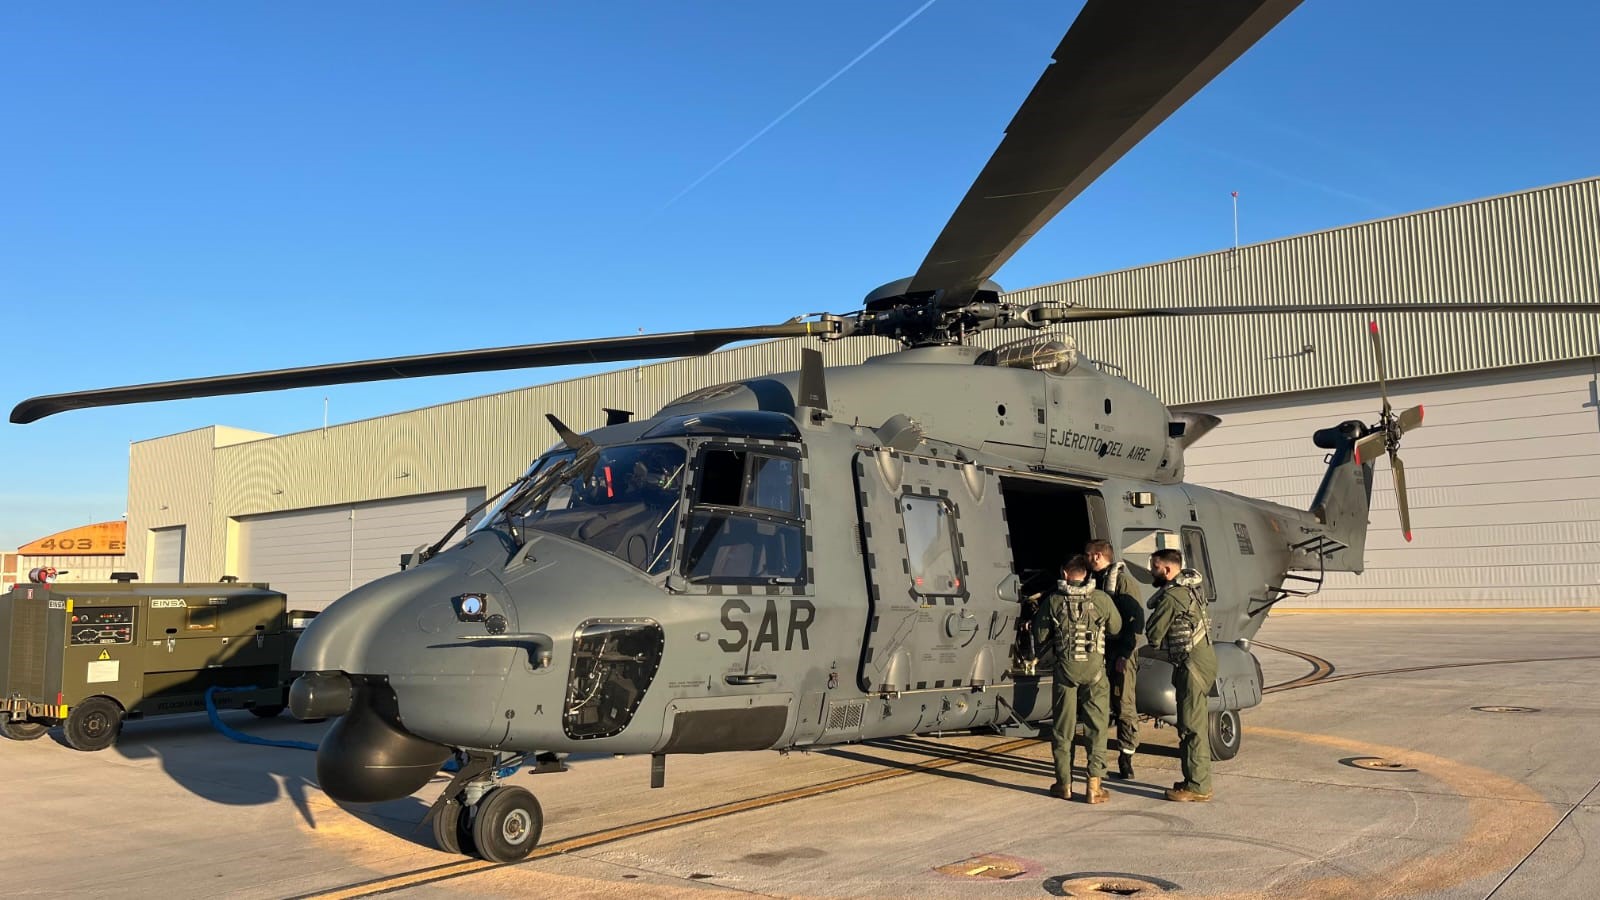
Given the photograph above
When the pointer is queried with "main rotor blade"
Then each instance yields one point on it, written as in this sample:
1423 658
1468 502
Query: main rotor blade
617 349
1400 493
1123 67
1377 355
1103 313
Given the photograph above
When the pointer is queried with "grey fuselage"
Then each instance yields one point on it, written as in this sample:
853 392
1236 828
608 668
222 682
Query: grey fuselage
919 541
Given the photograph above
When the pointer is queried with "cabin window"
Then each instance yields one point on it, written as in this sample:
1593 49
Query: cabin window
746 525
934 564
1196 557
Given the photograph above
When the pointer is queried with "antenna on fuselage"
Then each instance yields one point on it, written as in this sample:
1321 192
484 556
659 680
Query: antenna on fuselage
813 383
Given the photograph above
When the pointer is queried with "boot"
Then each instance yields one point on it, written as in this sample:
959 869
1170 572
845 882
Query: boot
1059 791
1096 793
1124 766
1184 794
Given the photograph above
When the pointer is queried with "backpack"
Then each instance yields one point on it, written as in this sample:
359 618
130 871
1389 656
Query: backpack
1192 624
1080 626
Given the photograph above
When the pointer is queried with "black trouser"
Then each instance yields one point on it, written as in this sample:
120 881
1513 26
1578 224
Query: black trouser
1124 702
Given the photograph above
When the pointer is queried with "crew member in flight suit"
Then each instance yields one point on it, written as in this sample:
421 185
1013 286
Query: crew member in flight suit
1179 626
1074 622
1122 659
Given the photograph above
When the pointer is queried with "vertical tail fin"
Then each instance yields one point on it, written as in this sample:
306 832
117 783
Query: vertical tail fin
1344 499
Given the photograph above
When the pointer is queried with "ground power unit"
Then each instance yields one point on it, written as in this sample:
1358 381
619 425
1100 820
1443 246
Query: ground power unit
89 656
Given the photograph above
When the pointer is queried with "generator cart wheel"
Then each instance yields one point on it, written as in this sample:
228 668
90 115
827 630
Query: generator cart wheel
93 724
506 824
452 828
21 731
267 712
1226 734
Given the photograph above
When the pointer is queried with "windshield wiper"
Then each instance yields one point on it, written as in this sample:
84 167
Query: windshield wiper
525 484
433 550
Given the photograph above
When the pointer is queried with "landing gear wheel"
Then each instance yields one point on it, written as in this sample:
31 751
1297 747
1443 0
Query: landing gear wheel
93 724
21 731
267 712
1226 734
452 829
506 824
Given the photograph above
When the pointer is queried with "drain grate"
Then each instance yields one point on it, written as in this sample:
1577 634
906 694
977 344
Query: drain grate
1106 884
1376 764
1506 709
991 866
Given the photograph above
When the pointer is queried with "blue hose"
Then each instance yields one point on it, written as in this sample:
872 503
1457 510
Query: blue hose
234 734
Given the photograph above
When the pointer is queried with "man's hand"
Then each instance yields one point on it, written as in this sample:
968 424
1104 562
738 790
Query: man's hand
1122 664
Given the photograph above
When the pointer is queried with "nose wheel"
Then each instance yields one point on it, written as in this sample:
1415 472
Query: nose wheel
506 824
478 816
452 828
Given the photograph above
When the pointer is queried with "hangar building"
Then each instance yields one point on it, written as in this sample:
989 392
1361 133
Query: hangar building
1505 474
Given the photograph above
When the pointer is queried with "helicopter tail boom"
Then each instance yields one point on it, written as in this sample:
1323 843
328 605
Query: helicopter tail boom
1344 499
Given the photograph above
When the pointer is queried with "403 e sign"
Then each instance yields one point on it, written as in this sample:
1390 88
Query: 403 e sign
81 545
102 539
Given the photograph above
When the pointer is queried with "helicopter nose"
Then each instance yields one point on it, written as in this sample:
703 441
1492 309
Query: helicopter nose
374 627
367 645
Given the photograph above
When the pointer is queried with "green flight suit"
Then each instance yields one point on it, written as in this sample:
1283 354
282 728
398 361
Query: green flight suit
1079 676
1193 673
1124 685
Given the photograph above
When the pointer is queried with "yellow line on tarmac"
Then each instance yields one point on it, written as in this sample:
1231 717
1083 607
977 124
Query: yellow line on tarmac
1507 819
447 871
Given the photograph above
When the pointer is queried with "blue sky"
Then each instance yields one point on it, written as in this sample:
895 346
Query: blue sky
192 189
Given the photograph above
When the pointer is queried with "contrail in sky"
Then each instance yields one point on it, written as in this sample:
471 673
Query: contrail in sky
802 102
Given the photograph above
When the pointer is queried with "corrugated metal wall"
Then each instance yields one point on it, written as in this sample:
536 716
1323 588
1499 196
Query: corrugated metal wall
1536 245
1541 244
318 555
1503 478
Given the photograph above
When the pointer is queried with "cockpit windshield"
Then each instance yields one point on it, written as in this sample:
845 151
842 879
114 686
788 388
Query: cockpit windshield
623 500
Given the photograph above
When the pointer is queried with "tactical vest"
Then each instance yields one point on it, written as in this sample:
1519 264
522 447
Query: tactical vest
1080 632
1192 624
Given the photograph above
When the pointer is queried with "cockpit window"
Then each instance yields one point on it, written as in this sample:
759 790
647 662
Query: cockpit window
731 549
757 480
623 500
745 525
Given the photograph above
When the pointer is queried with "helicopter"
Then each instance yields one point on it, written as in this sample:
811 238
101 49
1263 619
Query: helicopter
828 555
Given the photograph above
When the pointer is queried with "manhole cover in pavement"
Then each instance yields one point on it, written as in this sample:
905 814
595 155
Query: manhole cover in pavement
991 866
1506 709
1106 884
1377 764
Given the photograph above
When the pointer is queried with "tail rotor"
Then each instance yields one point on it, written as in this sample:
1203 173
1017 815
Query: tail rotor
1385 436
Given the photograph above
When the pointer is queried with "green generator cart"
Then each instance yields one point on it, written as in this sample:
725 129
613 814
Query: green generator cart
89 656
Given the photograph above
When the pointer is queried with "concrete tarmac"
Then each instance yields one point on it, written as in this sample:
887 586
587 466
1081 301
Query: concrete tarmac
1463 803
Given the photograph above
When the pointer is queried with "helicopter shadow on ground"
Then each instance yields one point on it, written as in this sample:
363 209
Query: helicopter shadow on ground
226 772
1010 771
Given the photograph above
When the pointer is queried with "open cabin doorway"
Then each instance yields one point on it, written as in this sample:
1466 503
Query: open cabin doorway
1049 522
